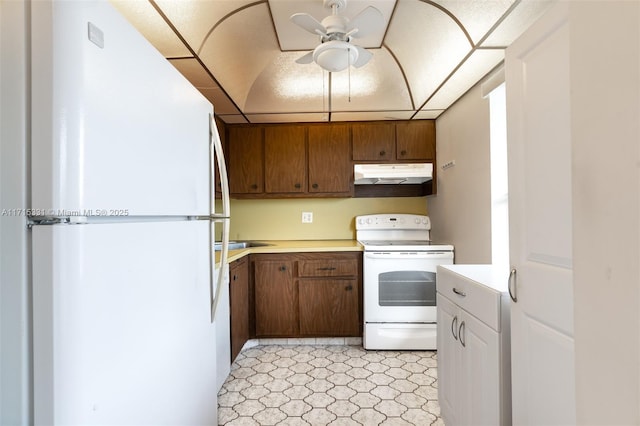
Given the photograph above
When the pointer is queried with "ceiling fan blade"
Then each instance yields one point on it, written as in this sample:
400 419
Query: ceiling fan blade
305 59
366 22
308 22
363 56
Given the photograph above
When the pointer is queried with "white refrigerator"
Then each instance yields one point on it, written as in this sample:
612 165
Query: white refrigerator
122 222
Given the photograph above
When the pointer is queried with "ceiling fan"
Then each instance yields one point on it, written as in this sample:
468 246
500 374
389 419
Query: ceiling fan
335 51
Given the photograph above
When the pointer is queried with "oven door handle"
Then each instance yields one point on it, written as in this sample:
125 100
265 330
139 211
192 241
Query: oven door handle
408 255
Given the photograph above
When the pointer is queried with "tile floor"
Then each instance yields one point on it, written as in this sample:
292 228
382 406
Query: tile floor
330 385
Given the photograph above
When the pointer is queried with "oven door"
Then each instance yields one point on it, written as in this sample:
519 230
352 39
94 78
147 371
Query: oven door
401 286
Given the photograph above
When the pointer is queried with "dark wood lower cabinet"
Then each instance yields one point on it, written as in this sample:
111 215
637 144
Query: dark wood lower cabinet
275 297
239 301
329 307
308 294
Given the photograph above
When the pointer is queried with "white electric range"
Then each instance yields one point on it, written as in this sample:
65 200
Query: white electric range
399 282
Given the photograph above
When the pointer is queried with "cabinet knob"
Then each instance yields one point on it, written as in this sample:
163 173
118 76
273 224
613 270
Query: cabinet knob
349 287
235 277
403 152
254 186
314 186
282 268
297 185
382 153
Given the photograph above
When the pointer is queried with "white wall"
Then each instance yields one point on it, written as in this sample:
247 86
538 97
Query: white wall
461 211
15 324
605 102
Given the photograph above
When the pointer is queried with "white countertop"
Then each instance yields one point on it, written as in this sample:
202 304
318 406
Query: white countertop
295 246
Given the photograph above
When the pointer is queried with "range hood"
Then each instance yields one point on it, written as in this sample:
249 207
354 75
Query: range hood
392 174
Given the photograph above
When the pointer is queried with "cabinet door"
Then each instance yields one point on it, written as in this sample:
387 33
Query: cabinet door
239 300
448 359
468 368
479 381
373 141
246 155
276 299
329 159
329 307
416 140
285 159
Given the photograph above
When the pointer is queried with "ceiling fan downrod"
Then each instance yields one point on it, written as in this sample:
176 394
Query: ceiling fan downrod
335 5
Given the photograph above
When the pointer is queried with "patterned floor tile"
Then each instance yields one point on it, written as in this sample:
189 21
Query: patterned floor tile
328 384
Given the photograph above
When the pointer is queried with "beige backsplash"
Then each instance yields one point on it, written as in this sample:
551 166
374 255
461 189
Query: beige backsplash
333 219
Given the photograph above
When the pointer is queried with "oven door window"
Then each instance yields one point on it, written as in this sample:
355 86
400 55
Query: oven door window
407 288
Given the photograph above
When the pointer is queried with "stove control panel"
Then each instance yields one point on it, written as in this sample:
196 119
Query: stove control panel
393 221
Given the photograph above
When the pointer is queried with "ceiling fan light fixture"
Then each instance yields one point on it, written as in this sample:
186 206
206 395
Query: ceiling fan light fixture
335 55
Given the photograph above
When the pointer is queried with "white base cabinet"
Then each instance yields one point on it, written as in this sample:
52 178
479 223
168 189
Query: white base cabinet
473 346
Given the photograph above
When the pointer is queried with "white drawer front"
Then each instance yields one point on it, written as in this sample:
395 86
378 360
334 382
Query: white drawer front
478 299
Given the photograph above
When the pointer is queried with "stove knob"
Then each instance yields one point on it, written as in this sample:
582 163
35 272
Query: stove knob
417 221
369 221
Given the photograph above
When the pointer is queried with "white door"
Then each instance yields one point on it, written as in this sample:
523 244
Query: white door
539 154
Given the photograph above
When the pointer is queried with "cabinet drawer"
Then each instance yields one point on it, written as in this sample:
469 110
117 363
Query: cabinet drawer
478 299
328 268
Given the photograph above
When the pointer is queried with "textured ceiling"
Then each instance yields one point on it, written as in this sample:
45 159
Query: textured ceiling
241 55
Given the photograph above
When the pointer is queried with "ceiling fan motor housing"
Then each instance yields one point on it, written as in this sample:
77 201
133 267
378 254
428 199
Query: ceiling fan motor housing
335 24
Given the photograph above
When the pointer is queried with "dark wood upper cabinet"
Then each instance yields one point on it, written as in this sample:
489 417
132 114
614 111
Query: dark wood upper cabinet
416 140
330 169
373 141
285 159
316 160
402 141
245 152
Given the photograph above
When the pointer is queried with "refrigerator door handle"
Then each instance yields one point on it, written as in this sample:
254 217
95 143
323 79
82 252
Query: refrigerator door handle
216 153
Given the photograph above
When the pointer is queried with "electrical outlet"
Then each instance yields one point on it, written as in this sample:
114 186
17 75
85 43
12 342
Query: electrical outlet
307 217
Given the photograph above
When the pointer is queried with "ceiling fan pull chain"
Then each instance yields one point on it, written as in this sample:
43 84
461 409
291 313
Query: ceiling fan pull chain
325 93
349 70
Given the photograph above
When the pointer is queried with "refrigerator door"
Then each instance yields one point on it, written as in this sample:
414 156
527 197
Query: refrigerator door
117 130
121 327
